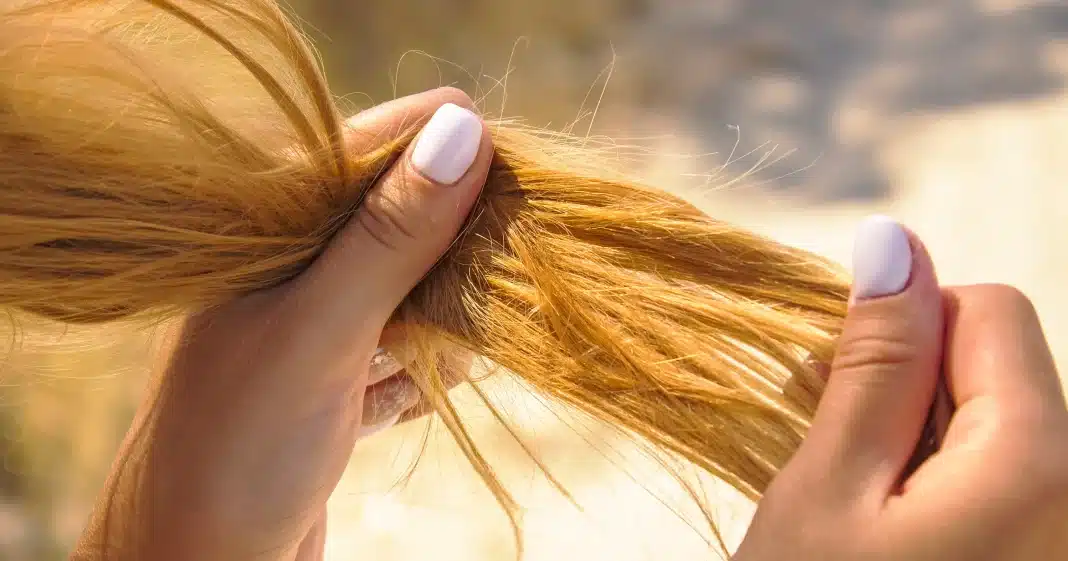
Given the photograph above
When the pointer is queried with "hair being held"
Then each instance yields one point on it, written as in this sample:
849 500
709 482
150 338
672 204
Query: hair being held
161 157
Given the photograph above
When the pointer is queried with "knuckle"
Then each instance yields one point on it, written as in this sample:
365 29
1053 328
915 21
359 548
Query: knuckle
1001 299
875 348
1003 293
388 219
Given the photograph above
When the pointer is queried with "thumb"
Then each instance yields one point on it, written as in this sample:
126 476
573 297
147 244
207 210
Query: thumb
408 219
884 374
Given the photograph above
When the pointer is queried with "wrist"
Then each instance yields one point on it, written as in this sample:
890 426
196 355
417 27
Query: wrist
179 491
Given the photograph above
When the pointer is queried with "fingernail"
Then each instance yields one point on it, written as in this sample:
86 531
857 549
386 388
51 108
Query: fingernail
448 144
818 366
882 258
367 430
383 365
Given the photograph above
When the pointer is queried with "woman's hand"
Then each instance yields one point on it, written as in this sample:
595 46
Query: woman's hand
998 487
267 396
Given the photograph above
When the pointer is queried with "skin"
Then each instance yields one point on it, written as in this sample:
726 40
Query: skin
247 477
997 489
269 394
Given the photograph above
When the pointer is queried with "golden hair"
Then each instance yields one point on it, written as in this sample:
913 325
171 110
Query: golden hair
160 157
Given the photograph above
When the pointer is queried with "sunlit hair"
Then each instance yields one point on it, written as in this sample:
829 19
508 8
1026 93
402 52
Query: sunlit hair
159 157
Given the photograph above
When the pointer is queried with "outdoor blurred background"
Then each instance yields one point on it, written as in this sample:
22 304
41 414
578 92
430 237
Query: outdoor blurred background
794 118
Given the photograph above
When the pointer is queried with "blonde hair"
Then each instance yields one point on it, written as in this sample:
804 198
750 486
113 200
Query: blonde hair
165 156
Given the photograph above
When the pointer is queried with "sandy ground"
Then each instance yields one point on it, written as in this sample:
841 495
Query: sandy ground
984 188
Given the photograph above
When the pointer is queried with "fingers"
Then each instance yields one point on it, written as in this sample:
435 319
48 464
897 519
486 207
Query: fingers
394 397
408 219
380 124
996 350
415 212
882 379
383 365
385 402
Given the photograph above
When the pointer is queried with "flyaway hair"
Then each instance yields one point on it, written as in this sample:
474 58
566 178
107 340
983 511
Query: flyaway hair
160 157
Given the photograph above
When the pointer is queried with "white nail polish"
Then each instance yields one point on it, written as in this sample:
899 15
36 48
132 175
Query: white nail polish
882 258
448 144
383 365
367 430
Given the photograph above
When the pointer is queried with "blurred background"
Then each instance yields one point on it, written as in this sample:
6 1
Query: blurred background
792 118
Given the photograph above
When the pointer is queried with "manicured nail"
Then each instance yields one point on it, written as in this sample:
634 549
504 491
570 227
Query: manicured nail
818 366
367 430
383 365
882 258
448 144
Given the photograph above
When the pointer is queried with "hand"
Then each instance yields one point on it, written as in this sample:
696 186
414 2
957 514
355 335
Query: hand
998 487
265 397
